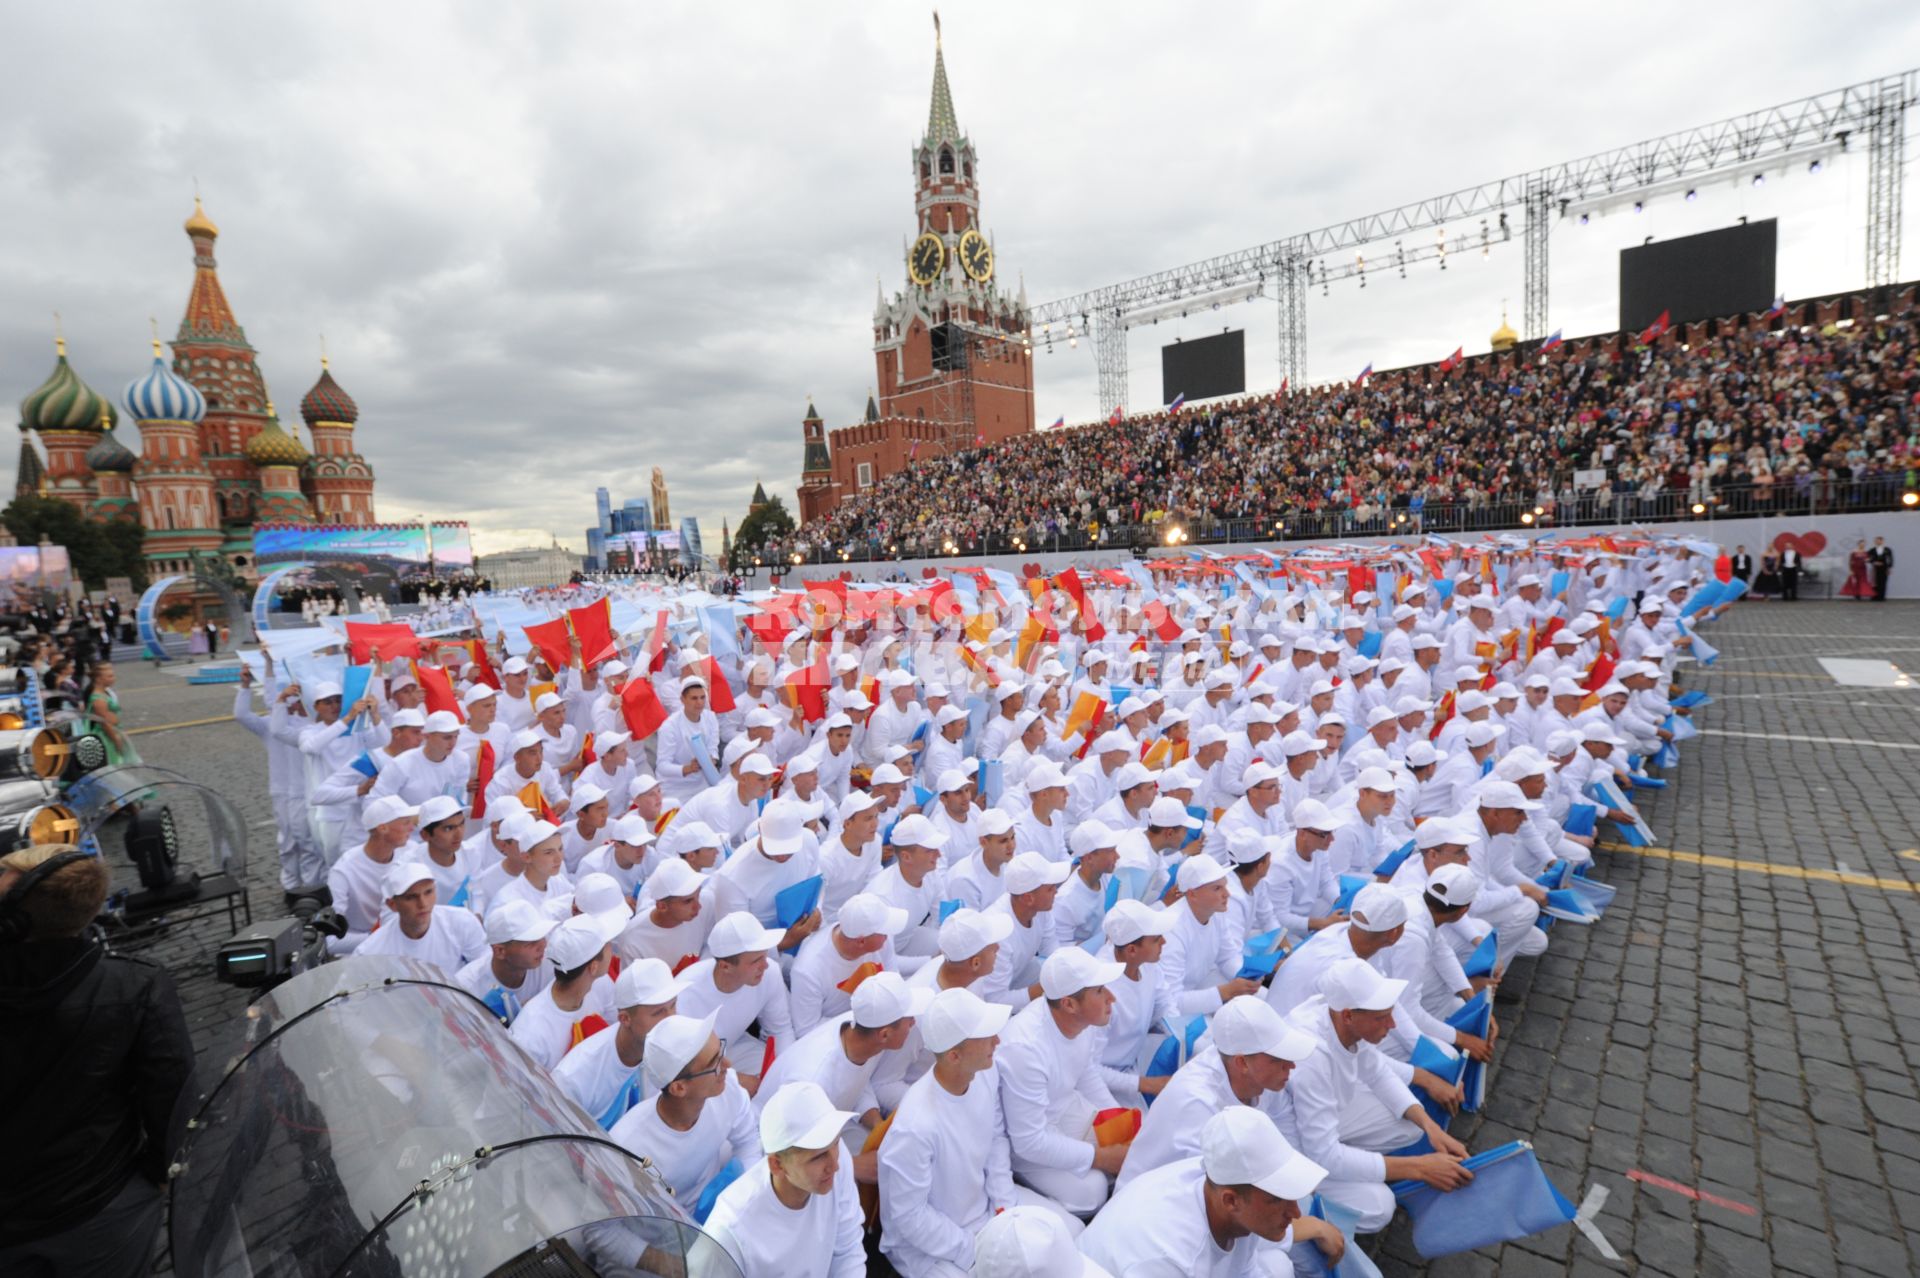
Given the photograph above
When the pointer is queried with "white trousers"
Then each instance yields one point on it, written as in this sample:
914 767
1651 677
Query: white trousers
1365 1123
1514 921
301 862
1080 1192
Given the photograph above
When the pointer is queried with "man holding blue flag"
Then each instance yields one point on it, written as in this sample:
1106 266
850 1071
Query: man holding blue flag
1351 1104
603 1073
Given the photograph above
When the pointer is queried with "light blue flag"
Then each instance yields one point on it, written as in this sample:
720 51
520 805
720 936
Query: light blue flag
1580 819
710 1195
1350 885
1474 1017
1509 1197
949 906
1262 954
1705 597
723 633
1370 644
1557 584
1692 699
797 900
1618 609
1245 573
1703 652
1446 1064
1568 905
1443 587
1307 1259
1481 961
1682 728
989 781
1175 1048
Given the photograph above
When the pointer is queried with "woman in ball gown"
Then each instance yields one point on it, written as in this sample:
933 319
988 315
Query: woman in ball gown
1859 580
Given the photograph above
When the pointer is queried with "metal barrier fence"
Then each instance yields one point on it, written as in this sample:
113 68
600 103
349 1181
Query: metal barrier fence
1591 508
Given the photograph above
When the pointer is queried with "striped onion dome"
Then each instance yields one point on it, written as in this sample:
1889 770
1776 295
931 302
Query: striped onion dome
109 455
63 401
163 395
327 402
272 446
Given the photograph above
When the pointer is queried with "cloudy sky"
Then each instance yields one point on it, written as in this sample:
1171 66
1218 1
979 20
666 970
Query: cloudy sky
552 246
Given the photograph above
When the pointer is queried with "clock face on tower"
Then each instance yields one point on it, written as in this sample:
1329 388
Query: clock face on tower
925 258
976 256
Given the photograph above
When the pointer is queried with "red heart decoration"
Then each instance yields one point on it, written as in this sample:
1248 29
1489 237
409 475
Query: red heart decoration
1808 544
846 576
1030 571
929 573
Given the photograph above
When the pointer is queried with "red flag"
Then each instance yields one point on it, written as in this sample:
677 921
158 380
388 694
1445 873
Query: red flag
769 628
394 639
1453 361
1163 622
553 641
1602 672
1723 569
807 688
1441 713
477 652
485 765
657 644
641 707
1115 419
593 627
438 691
1281 393
719 692
1359 578
1432 563
1070 582
1656 328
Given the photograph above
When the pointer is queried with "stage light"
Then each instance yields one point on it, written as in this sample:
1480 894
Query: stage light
1583 219
1539 510
1527 518
1910 499
1813 166
1699 508
1073 343
1692 195
1639 206
796 560
1759 179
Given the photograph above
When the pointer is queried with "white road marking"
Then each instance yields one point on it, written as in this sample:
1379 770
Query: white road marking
1788 736
1583 1221
1859 672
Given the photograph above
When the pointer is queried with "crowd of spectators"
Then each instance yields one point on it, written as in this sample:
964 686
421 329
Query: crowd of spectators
1755 420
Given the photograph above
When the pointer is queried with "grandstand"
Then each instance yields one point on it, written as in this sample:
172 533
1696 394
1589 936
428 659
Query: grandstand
1804 408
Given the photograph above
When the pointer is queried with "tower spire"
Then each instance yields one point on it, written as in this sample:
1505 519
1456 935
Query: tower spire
941 123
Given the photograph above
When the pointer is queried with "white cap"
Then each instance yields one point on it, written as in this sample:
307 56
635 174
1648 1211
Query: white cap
402 875
612 669
1258 772
1600 733
915 830
526 739
1377 779
1113 743
504 809
783 827
1355 984
1029 1242
439 808
1248 1026
514 665
674 878
836 721
646 982
1424 641
1299 742
1045 776
1311 814
995 821
513 920
953 779
1030 871
1244 846
1209 734
535 832
1483 733
1090 836
547 701
1130 775
407 719
1129 920
1521 761
671 1047
388 807
887 774
1439 830
1505 794
600 895
885 997
586 793
642 783
1070 969
575 942
1198 872
1421 753
755 765
442 721
630 829
1454 884
1378 908
948 714
798 1116
1171 814
740 933
1473 699
323 689
866 915
1241 1146
965 932
958 1015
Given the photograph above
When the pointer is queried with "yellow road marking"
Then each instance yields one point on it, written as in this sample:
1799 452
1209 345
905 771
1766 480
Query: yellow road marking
1768 867
187 723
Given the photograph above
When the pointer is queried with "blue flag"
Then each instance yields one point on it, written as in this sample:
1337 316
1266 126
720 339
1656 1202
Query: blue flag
710 1195
1350 885
1509 1197
1175 1048
353 686
1442 1062
1262 954
365 766
1307 1259
1480 962
947 907
1580 819
1394 860
1557 584
797 900
723 633
1475 1017
1370 644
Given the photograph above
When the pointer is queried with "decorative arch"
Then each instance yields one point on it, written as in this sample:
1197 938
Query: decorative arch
263 593
146 613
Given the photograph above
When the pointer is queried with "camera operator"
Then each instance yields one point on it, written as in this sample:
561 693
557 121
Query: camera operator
94 1055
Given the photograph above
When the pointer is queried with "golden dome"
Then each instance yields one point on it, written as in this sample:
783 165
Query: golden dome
272 446
1504 338
200 223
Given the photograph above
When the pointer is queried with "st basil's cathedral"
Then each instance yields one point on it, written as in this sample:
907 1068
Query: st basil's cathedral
212 457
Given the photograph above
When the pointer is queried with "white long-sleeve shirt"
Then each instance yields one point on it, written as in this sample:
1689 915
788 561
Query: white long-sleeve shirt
765 1236
945 1170
733 1013
1323 1084
1048 1082
1195 960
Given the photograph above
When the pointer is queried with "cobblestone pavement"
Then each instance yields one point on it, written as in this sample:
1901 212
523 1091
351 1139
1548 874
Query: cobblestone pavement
1750 1033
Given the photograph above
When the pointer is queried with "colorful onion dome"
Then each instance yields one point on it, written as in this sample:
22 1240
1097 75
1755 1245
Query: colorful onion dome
163 395
273 446
63 402
326 402
109 455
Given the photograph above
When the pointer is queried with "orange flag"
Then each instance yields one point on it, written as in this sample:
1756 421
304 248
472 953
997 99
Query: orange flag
719 691
641 707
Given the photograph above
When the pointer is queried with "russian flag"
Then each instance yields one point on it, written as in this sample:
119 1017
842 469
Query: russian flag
1553 339
1058 422
1365 373
1448 364
1178 400
1118 411
1779 306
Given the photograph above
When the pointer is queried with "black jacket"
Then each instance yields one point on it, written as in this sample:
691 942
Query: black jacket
94 1055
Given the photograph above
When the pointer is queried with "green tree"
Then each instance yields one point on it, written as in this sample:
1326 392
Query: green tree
770 522
97 551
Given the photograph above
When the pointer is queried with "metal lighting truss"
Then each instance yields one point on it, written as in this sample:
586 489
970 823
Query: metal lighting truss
1873 109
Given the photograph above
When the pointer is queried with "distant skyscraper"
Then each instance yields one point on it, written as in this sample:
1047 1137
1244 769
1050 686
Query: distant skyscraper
603 508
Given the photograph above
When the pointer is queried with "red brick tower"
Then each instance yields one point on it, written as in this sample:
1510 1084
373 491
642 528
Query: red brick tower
336 478
949 353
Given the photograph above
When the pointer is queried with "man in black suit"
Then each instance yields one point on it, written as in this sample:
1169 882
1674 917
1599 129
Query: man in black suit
1789 573
1880 564
1742 564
